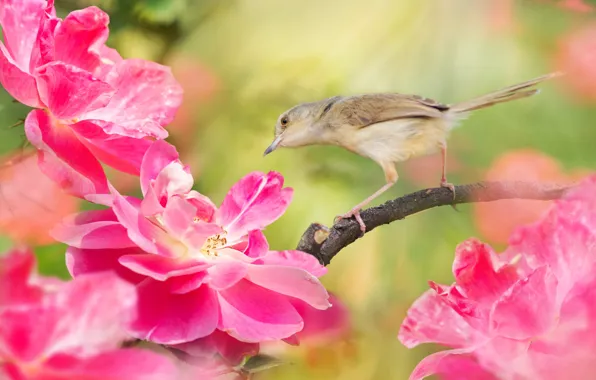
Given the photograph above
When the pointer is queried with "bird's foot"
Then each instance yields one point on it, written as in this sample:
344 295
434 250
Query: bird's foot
448 185
355 212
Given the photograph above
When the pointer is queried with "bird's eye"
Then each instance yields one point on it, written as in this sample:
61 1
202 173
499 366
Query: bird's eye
284 121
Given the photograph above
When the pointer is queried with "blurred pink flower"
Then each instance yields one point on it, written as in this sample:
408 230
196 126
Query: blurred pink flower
26 216
52 330
576 56
501 15
576 5
497 220
198 268
322 327
91 103
528 313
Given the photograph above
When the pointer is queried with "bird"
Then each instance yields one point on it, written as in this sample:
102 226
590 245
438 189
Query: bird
386 127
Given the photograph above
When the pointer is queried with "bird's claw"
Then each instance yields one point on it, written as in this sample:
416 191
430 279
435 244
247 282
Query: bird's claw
448 185
356 215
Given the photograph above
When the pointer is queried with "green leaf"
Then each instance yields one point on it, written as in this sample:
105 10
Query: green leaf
259 363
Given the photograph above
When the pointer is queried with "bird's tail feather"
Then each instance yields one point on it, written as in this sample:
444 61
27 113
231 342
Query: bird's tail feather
518 91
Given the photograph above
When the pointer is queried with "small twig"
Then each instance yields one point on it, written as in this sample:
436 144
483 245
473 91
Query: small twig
324 243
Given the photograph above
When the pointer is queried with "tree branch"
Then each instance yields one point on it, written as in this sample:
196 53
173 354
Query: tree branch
324 243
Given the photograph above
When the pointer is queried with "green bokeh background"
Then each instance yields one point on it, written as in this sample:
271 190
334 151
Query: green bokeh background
265 56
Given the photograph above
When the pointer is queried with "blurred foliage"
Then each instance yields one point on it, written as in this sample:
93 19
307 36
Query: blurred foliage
261 57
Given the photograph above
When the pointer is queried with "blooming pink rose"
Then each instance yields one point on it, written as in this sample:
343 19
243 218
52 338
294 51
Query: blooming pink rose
52 330
198 268
91 103
529 313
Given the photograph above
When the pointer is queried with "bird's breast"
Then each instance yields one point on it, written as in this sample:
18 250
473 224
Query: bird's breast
400 140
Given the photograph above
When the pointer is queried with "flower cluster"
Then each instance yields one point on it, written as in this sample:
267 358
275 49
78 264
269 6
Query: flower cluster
171 268
528 313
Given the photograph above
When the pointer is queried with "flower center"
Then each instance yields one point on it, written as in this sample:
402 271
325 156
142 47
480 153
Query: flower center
213 243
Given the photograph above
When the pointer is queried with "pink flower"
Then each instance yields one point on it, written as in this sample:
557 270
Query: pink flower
91 104
322 327
576 5
52 330
198 268
528 313
575 56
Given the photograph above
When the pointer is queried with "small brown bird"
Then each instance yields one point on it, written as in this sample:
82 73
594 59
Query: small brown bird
387 128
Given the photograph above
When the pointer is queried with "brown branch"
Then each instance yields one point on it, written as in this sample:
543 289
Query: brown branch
324 243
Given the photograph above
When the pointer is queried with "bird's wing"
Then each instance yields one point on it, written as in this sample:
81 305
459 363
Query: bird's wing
363 110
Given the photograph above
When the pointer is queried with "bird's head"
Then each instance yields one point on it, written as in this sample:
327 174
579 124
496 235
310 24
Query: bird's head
301 125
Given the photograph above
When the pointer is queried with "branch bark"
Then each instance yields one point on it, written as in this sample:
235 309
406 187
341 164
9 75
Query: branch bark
324 243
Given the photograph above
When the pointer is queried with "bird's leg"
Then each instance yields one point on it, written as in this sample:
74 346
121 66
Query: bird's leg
444 182
391 177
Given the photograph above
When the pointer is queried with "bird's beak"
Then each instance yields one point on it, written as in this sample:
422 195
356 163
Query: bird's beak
273 145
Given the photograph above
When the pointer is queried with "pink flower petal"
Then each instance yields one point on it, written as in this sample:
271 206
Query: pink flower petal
565 240
69 91
168 318
426 321
258 246
253 202
86 316
253 314
528 308
122 153
159 155
452 365
44 49
174 179
197 234
145 234
161 268
205 208
187 283
123 364
82 261
472 312
476 272
178 216
93 229
152 204
226 273
232 350
80 36
63 158
20 20
25 333
147 98
323 326
290 281
19 84
16 267
101 305
297 259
